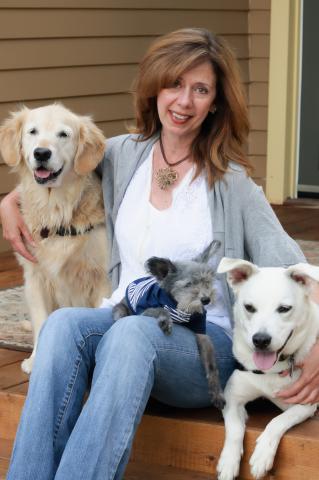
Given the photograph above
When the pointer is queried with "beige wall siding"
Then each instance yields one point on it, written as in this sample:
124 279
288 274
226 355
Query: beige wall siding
258 38
85 52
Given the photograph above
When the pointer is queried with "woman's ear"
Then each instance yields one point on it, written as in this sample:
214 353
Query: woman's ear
90 148
11 137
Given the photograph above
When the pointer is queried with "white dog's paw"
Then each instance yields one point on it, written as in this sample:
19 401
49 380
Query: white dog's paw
228 467
27 365
263 456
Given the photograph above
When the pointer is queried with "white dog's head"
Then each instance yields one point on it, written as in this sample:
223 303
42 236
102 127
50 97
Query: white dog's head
51 141
272 304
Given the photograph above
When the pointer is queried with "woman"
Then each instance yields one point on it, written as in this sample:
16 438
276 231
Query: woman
179 182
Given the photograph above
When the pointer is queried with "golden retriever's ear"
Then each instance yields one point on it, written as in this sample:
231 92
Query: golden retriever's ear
11 137
91 147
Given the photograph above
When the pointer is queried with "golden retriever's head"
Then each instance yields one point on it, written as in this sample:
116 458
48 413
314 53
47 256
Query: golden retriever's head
52 141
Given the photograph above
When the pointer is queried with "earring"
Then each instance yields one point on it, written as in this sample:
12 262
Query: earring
213 109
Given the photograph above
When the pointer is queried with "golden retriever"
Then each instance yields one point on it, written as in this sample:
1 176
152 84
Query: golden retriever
55 153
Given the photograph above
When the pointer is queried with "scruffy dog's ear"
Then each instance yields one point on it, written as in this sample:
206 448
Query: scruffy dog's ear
91 147
208 252
160 267
11 137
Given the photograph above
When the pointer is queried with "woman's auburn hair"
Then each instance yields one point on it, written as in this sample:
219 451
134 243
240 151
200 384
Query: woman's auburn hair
223 135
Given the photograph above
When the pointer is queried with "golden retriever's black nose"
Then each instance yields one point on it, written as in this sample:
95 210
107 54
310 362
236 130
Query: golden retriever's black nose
42 154
261 340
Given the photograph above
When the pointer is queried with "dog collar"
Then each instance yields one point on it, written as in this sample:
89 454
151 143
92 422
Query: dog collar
64 231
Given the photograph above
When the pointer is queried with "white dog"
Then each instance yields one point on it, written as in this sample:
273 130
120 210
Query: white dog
55 152
276 324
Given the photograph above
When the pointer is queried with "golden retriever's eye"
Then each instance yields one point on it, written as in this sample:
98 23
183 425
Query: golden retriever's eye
62 134
33 131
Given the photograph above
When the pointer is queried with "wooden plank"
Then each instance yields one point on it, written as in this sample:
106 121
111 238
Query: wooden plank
259 46
65 82
4 465
59 52
10 411
139 471
42 23
258 94
11 375
260 164
8 357
112 129
258 116
259 69
136 4
259 22
257 143
259 4
101 107
7 180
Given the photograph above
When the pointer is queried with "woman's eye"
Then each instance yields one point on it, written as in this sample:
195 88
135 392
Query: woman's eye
284 308
250 308
201 90
62 134
176 84
33 131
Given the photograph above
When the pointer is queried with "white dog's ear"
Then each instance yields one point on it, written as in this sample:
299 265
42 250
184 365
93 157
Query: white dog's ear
91 147
11 137
238 270
305 274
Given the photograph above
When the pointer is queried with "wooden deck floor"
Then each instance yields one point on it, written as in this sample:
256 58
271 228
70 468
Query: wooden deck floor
12 379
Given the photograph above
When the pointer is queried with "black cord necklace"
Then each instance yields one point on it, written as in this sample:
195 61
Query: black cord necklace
166 177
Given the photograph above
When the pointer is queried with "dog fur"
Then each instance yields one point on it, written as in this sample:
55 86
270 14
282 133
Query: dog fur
54 152
276 324
190 284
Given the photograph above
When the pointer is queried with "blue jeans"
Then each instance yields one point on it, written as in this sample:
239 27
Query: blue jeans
123 363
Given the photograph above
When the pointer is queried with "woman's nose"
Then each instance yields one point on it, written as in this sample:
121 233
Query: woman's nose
185 97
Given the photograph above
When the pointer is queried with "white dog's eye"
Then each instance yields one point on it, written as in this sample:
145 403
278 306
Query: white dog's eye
284 308
250 308
33 131
62 134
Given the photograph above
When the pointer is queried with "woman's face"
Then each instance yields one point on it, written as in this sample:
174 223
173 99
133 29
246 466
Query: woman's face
183 107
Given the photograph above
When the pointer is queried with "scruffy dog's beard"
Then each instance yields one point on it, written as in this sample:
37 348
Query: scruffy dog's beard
195 306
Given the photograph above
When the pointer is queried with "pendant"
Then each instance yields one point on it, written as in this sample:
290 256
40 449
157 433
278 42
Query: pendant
165 177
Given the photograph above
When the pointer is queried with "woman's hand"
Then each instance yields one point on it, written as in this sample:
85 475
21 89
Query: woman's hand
306 388
13 226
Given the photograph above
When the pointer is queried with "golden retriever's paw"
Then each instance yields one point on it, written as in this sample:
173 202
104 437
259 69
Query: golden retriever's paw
27 364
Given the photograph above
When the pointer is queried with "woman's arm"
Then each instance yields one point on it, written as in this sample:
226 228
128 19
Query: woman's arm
14 227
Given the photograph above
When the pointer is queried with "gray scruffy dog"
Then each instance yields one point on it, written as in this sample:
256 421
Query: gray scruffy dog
176 292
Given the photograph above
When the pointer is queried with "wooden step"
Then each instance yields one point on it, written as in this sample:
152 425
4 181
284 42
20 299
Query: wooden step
191 441
143 471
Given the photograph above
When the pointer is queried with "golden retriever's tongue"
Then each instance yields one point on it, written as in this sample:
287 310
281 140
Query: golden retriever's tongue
264 360
42 173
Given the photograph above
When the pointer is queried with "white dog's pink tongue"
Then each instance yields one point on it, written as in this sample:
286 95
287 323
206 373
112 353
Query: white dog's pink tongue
42 173
264 360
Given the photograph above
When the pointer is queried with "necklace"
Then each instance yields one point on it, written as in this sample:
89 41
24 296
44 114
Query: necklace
166 177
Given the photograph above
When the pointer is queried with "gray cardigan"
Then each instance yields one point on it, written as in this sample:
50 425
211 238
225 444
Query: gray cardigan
242 219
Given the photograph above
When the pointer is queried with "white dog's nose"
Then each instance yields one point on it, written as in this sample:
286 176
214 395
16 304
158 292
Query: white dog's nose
42 154
261 340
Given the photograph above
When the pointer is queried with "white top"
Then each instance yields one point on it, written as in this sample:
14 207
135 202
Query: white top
179 232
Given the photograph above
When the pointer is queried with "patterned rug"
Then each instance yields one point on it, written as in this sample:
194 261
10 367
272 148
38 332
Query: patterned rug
15 328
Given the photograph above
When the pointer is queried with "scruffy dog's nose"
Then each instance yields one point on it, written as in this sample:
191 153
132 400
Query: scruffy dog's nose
205 300
261 340
42 154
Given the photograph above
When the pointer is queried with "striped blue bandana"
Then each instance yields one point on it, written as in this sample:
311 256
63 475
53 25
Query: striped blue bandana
145 293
